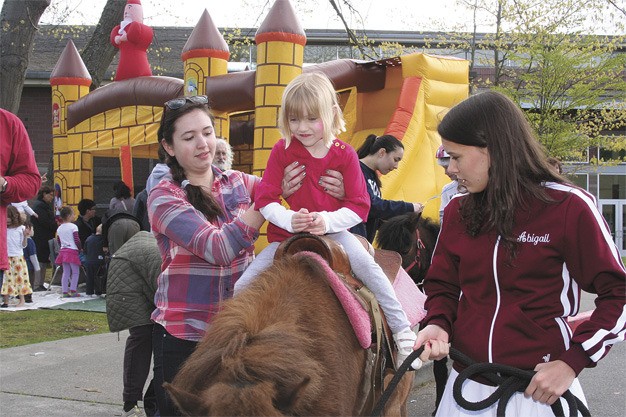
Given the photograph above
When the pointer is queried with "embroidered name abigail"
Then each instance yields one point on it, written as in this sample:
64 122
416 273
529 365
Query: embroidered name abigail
534 239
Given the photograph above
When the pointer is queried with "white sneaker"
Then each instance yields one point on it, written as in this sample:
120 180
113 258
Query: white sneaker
134 412
405 340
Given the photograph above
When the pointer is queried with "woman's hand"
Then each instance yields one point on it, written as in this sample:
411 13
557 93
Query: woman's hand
333 184
294 175
435 341
418 207
550 382
292 180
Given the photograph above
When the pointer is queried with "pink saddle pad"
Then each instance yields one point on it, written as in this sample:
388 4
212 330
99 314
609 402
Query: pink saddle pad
411 298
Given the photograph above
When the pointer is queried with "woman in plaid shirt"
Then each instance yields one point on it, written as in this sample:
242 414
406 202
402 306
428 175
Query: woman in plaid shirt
205 234
205 228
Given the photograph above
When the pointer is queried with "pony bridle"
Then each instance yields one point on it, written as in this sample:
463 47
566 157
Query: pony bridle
418 259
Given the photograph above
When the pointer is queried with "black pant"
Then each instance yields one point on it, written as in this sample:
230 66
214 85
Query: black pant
92 281
137 358
169 354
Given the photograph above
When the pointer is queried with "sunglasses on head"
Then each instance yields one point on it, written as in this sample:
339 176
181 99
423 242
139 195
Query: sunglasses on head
177 103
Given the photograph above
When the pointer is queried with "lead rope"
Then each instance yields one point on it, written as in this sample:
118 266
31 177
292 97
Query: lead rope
508 379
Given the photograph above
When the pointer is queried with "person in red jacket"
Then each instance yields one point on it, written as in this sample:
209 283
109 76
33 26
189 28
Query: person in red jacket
132 38
19 176
512 258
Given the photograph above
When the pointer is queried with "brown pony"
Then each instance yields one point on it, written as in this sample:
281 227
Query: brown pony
414 238
284 346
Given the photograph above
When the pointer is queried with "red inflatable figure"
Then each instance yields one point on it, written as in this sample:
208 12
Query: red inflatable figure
132 38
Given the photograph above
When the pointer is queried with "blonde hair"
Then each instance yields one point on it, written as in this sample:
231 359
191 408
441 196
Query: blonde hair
312 95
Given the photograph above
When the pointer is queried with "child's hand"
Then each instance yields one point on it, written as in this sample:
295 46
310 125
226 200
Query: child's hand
301 220
317 226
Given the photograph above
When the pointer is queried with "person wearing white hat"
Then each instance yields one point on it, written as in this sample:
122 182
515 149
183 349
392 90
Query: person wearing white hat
451 189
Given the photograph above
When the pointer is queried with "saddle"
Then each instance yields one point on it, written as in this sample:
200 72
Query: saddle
374 336
409 295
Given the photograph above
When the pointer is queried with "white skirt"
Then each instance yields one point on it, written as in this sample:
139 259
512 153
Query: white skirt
518 405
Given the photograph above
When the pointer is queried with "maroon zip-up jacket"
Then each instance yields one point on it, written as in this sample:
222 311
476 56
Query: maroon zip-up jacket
516 313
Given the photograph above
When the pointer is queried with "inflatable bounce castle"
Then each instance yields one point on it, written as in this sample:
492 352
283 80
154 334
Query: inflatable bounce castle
404 96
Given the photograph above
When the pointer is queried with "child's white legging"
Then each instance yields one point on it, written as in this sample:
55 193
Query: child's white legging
363 265
70 277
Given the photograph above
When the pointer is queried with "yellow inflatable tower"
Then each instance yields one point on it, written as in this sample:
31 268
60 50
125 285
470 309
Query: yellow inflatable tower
70 81
206 55
280 54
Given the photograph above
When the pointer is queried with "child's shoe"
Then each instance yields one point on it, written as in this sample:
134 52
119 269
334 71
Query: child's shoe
74 294
405 340
66 295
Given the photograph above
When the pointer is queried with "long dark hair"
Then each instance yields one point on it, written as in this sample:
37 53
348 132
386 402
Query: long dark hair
201 201
375 143
121 190
518 162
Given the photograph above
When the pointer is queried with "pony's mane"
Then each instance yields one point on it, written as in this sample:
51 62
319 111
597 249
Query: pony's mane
283 346
265 347
432 227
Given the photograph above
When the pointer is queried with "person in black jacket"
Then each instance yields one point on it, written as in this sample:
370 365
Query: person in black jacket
382 154
44 225
87 221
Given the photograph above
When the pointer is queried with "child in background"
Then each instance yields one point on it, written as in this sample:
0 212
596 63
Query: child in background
58 203
16 277
310 118
69 242
32 263
94 260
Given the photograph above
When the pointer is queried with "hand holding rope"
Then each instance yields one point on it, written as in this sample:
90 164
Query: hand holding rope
508 379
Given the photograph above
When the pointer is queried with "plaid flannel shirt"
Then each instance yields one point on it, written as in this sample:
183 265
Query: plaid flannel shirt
202 260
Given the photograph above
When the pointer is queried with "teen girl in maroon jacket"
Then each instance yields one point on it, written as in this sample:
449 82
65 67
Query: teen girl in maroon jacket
511 260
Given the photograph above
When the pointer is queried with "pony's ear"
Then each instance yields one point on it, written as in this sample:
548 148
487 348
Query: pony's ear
287 403
190 404
414 219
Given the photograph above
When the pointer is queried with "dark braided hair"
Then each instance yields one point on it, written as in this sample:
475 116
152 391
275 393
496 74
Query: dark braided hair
202 201
375 143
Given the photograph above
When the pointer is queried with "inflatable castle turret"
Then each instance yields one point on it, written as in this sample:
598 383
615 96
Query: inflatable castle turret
70 81
206 54
280 55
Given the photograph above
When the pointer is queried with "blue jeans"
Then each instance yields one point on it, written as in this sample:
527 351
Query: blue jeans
169 354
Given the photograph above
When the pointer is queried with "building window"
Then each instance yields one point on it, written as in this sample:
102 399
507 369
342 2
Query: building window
581 180
612 187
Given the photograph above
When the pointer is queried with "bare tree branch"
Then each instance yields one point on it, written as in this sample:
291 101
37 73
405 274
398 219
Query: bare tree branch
351 35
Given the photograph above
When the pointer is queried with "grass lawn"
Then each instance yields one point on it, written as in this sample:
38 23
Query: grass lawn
33 326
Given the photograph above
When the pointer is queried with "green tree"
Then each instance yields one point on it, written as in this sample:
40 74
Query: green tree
571 82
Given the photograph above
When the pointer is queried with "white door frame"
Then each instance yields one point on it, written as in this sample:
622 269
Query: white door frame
617 225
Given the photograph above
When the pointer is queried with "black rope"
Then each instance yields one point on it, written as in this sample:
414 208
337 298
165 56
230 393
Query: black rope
378 410
508 380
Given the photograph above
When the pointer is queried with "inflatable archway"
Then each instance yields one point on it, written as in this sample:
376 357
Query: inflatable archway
404 96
